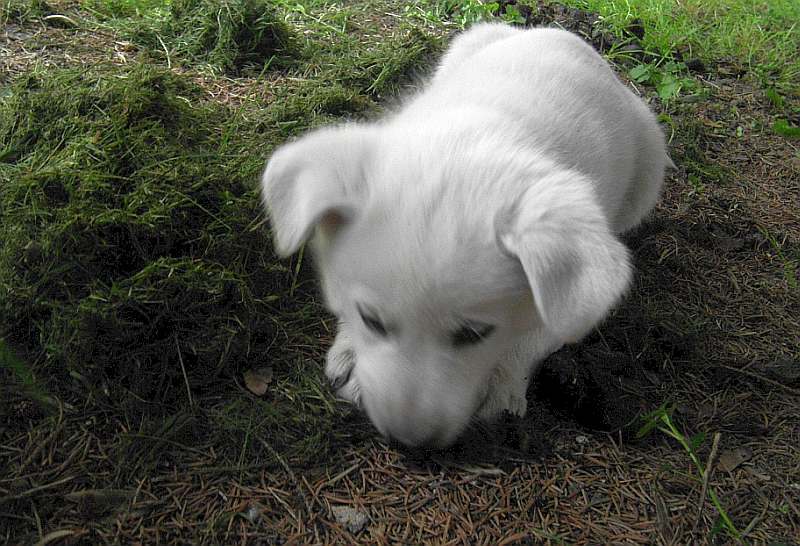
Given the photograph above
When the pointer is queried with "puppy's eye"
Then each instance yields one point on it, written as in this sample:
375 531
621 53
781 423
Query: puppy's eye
372 322
471 334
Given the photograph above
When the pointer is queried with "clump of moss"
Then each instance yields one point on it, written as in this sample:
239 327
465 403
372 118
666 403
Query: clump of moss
128 211
229 36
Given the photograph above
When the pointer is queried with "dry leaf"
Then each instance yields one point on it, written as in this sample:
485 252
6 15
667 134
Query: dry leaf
258 379
352 518
732 458
94 502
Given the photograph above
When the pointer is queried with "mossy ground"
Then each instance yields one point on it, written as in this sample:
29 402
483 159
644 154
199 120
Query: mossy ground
137 282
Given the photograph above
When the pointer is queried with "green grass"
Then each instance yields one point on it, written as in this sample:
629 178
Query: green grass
661 420
22 11
762 35
136 264
460 13
226 37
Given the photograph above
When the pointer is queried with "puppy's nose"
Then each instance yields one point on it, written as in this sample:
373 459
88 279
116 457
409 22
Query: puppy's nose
416 432
401 425
418 439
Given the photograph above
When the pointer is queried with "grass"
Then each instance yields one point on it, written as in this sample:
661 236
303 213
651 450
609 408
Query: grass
789 263
230 36
23 10
762 35
460 13
131 202
662 420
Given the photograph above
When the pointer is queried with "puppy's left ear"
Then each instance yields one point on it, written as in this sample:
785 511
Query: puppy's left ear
315 181
576 267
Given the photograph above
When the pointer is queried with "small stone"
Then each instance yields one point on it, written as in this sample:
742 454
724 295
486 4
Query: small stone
258 379
352 518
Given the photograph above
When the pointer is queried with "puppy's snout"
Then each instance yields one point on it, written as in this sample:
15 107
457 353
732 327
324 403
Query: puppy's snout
414 422
412 436
412 431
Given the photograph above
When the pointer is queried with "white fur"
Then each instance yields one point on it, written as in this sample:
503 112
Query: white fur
493 196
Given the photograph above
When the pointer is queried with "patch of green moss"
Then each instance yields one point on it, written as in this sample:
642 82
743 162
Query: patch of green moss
129 246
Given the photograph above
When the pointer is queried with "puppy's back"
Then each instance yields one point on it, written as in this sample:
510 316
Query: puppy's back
552 87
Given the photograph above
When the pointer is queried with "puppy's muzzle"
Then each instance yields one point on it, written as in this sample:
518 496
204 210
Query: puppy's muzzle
412 422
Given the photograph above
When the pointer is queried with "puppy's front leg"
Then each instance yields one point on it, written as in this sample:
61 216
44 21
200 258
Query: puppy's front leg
339 364
508 384
507 388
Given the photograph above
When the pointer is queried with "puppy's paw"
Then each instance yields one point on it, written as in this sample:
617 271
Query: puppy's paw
340 361
506 394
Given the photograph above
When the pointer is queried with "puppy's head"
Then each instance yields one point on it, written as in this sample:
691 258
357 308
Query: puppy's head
441 265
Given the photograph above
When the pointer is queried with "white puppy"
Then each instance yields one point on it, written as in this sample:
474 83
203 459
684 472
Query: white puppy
472 233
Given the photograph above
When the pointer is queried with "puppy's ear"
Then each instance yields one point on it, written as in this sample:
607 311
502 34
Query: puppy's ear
576 267
316 181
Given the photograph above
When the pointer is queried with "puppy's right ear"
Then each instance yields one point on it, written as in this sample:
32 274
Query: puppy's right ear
315 181
576 267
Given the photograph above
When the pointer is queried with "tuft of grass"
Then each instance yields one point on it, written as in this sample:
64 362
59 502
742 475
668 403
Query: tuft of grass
460 12
383 70
229 36
108 9
784 128
661 420
764 36
22 11
788 259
